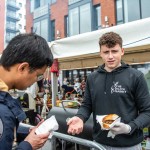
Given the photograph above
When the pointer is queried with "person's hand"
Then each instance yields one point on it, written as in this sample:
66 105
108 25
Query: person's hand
120 128
36 141
75 125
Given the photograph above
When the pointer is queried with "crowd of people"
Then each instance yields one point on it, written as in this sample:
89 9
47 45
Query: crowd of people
78 87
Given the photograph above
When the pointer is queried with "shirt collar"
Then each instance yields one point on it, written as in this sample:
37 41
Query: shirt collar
3 86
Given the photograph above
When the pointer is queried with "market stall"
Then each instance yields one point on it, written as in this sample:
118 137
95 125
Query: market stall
83 50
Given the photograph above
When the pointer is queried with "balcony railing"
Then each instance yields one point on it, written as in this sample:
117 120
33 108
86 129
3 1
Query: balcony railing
12 28
13 5
13 16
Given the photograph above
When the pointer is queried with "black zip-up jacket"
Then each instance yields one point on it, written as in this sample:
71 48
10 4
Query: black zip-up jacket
124 92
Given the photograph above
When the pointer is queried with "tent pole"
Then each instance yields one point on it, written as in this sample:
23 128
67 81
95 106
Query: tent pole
54 85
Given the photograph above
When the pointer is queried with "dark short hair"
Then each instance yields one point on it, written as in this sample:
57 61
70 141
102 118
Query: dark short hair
30 48
110 39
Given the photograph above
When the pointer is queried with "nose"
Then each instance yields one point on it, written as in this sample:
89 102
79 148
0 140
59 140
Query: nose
110 55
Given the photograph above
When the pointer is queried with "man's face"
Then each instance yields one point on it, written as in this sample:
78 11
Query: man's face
111 56
28 78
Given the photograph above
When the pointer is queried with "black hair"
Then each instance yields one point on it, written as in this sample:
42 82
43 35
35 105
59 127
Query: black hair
30 48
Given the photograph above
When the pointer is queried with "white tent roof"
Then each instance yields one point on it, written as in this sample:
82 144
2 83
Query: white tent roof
136 33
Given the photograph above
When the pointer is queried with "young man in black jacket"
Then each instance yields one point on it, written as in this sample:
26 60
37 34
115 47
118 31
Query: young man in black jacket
22 63
115 89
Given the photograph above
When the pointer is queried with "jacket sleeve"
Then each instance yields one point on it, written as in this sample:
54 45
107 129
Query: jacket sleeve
142 99
24 145
85 109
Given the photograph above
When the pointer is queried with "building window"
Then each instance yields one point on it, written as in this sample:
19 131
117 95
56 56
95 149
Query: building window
20 26
74 21
11 25
36 4
44 29
32 6
20 15
80 19
9 36
66 25
119 13
53 30
41 28
85 18
37 28
11 13
145 8
131 10
20 5
97 17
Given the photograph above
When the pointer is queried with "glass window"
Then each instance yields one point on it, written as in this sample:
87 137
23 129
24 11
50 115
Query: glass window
37 28
53 30
11 13
66 26
145 6
97 17
32 6
9 36
41 28
74 21
85 18
20 26
132 10
20 15
119 11
11 25
20 5
80 19
44 29
37 3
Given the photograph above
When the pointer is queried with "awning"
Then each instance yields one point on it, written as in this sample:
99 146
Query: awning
136 33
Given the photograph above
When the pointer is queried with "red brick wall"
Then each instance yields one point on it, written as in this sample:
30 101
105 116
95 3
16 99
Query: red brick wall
58 11
107 9
2 23
29 17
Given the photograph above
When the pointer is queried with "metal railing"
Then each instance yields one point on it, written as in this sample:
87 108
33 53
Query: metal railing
76 140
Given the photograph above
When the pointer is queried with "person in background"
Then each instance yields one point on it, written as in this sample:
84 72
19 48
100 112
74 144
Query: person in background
115 88
82 86
32 92
65 81
22 63
77 86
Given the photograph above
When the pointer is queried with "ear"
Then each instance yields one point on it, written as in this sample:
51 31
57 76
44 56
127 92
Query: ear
122 50
23 67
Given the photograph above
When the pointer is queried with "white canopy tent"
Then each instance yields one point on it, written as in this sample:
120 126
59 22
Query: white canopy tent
134 34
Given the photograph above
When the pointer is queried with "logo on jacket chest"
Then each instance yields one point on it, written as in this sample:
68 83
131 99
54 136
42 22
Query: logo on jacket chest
116 88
